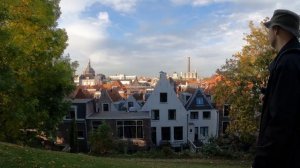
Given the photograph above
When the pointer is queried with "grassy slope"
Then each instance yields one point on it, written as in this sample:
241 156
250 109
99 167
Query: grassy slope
17 156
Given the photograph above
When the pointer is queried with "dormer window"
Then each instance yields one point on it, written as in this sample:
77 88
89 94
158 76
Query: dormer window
199 101
105 107
130 104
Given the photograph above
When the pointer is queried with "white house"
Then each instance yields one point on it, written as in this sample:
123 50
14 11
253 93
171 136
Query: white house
202 119
168 115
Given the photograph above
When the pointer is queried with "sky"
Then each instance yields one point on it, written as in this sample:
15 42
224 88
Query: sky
144 37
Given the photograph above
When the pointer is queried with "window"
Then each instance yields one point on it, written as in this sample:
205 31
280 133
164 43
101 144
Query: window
178 133
155 114
80 134
199 101
71 113
224 126
163 97
165 133
130 104
105 107
196 137
226 110
204 131
194 115
206 115
96 124
153 135
130 129
187 98
172 114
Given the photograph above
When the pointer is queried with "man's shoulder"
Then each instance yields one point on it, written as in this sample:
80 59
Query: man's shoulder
291 57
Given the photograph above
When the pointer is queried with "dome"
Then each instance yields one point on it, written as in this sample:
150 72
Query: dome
89 71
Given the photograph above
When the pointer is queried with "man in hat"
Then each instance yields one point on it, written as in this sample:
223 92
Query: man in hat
279 137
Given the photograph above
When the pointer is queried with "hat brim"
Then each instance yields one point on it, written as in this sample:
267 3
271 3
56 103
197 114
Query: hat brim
268 24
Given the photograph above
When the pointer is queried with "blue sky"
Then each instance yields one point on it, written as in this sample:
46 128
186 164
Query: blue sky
143 37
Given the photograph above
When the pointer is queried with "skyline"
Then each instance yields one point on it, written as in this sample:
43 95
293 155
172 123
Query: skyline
145 37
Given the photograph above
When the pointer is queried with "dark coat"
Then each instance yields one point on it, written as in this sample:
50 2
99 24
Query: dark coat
279 137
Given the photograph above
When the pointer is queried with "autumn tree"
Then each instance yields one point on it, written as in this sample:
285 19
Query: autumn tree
34 76
243 76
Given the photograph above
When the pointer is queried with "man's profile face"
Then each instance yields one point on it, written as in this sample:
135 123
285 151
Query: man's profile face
272 37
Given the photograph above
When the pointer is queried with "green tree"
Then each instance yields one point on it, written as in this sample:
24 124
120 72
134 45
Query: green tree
101 139
34 76
242 78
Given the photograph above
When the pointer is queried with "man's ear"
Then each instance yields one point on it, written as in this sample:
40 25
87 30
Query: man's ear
276 30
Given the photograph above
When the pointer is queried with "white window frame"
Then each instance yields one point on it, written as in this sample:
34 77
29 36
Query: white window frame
153 116
136 129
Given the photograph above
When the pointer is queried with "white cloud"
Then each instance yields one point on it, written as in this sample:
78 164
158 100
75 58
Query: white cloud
104 17
148 50
120 5
160 41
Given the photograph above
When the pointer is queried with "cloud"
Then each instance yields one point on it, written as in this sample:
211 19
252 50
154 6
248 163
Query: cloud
120 5
145 42
104 17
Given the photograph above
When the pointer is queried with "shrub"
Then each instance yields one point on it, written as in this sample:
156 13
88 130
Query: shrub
101 140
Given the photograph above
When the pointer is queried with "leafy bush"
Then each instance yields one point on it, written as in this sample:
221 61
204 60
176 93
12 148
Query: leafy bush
101 140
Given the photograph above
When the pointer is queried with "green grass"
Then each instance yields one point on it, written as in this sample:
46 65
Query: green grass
18 156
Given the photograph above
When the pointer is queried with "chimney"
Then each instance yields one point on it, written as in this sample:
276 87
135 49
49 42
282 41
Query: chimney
189 65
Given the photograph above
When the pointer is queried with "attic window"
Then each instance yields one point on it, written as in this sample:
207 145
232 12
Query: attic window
163 97
199 101
105 107
130 104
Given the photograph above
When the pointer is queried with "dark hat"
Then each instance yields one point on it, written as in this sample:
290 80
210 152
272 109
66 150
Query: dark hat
285 19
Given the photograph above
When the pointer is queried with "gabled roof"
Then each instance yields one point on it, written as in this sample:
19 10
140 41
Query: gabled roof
105 97
138 96
191 104
82 94
114 95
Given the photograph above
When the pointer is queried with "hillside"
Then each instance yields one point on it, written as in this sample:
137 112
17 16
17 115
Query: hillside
17 156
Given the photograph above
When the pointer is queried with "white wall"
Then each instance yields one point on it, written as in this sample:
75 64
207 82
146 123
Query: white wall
211 123
173 102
